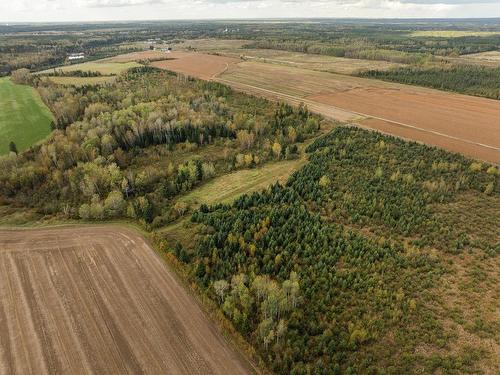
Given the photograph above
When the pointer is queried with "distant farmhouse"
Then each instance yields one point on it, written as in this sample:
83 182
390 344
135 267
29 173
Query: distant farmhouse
76 56
162 49
154 41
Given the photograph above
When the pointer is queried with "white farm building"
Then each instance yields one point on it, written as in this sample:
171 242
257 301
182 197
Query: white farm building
76 56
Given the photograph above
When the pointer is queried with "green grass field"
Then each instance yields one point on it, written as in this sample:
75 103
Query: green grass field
226 188
108 69
104 67
24 119
81 81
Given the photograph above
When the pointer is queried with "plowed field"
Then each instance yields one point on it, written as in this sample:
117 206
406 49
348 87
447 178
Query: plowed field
100 300
198 65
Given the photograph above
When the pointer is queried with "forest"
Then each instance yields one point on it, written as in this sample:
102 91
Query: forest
384 38
318 273
98 162
353 50
465 79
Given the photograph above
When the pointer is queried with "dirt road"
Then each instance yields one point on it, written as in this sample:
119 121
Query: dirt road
100 300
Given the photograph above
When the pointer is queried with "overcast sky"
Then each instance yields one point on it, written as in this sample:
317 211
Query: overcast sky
102 10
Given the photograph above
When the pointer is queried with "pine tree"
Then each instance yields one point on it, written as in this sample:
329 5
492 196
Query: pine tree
13 147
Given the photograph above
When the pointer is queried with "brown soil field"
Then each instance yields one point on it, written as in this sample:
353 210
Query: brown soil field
456 122
100 300
198 65
412 134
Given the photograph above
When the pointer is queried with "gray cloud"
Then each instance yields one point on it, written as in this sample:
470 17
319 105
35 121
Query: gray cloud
381 2
457 2
372 3
118 3
92 10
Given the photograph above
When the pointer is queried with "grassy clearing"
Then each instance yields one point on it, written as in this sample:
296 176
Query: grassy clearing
109 70
211 45
226 188
81 81
24 119
103 67
488 56
467 302
10 216
452 33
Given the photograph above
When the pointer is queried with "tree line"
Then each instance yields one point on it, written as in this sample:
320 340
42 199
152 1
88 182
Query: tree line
465 79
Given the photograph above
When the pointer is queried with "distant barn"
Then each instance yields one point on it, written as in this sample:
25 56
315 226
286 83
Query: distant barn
76 56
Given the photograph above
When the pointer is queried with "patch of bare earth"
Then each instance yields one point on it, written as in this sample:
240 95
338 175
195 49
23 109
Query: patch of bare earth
100 300
197 65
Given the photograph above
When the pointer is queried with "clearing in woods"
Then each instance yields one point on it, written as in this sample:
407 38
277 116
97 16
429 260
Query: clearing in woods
227 188
100 300
24 119
108 69
82 81
105 67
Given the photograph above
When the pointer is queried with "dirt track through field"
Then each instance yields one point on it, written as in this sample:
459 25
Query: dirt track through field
198 65
100 300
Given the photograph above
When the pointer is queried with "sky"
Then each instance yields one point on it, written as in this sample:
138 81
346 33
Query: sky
118 10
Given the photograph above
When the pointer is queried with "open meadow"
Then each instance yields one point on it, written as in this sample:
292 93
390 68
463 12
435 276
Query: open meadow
107 70
82 81
104 67
99 300
24 119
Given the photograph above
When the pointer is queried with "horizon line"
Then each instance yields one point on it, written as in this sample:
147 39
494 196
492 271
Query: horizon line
13 23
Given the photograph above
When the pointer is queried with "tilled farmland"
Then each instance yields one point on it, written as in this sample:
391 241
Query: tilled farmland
100 300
